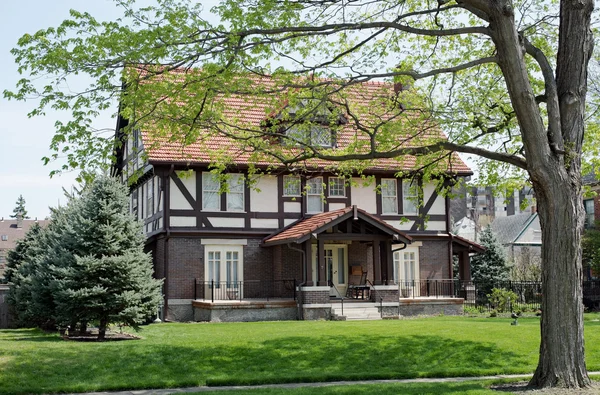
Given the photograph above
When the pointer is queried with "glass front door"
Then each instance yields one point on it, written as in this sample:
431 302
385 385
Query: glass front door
336 258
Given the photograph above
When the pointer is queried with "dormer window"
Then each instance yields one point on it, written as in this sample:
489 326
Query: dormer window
313 135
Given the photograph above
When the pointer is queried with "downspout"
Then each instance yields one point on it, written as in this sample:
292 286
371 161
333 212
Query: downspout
166 223
304 274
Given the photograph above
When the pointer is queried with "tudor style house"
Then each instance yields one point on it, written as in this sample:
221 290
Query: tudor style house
289 244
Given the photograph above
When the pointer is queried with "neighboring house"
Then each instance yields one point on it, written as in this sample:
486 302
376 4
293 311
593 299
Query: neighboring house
304 235
12 230
521 236
591 204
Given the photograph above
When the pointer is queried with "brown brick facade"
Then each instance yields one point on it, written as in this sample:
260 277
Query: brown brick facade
433 260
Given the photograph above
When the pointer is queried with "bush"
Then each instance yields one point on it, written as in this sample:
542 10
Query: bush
502 299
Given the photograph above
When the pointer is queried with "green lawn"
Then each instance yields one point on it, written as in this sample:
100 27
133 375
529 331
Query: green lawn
174 355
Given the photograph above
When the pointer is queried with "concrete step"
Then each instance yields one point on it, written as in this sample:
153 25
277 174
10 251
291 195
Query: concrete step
366 311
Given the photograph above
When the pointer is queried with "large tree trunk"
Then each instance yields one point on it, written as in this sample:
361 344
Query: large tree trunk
553 152
560 210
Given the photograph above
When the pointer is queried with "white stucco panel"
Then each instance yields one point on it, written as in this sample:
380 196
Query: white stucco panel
336 206
264 201
439 206
270 223
183 221
292 207
435 225
289 221
178 201
364 196
401 226
219 222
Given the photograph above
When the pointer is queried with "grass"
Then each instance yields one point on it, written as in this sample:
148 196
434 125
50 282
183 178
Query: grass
176 355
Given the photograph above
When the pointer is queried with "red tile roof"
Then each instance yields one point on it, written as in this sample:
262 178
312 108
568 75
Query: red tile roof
318 223
253 111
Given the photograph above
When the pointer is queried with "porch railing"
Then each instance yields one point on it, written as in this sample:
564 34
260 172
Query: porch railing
241 290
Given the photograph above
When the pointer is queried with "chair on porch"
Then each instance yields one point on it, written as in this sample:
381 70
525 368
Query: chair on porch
357 284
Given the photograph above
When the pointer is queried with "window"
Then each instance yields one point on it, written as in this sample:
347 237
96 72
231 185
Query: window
224 266
588 205
314 195
409 198
134 203
235 194
4 237
389 196
291 186
406 270
211 192
337 187
315 135
150 199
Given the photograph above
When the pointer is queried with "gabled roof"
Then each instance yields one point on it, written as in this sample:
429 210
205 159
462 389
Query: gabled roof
304 228
508 229
466 244
253 112
13 233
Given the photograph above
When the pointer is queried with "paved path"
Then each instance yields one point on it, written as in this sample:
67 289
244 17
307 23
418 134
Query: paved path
168 391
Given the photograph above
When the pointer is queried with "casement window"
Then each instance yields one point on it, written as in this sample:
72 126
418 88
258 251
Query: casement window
406 271
291 186
314 195
150 198
224 265
134 203
389 196
314 135
211 192
337 188
235 194
410 197
588 205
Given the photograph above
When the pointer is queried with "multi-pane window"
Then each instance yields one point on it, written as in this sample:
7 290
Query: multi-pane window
320 135
134 202
235 194
214 266
224 267
389 196
409 198
314 195
589 212
291 186
232 262
315 135
150 198
337 187
211 192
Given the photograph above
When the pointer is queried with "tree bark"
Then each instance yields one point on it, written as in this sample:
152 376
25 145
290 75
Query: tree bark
102 329
554 166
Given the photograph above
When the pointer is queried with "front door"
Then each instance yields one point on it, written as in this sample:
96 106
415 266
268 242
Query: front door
336 258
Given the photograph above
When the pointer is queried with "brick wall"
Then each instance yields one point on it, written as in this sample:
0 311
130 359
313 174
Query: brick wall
433 259
291 264
186 257
387 294
258 262
361 254
316 297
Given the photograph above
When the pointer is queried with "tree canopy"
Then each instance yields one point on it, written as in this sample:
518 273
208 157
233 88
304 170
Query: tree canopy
19 209
505 80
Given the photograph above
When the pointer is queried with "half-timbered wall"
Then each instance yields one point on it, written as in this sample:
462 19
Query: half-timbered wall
277 201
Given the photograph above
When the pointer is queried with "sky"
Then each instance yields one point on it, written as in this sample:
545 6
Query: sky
24 141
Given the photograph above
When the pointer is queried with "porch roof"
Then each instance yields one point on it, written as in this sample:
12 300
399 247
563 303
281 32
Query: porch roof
304 228
461 244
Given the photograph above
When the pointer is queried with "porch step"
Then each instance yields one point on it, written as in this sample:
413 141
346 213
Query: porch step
355 311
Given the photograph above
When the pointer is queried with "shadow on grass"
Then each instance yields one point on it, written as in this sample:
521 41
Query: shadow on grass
70 367
30 335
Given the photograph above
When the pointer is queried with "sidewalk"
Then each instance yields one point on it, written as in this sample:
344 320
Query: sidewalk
168 391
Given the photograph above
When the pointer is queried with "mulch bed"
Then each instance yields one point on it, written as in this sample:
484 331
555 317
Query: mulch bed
92 336
522 388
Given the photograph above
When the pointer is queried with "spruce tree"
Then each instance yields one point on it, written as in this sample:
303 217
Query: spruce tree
109 277
490 266
20 209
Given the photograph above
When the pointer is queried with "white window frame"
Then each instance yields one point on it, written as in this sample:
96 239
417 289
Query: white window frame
336 181
226 274
393 197
314 192
590 215
292 182
150 198
410 198
206 190
236 186
402 260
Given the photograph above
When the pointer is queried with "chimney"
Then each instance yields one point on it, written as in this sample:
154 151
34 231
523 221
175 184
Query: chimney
19 221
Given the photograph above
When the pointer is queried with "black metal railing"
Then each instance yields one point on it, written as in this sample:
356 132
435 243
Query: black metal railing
241 290
427 288
527 295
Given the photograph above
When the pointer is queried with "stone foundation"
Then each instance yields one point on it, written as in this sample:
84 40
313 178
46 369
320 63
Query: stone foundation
316 304
430 306
180 310
245 311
